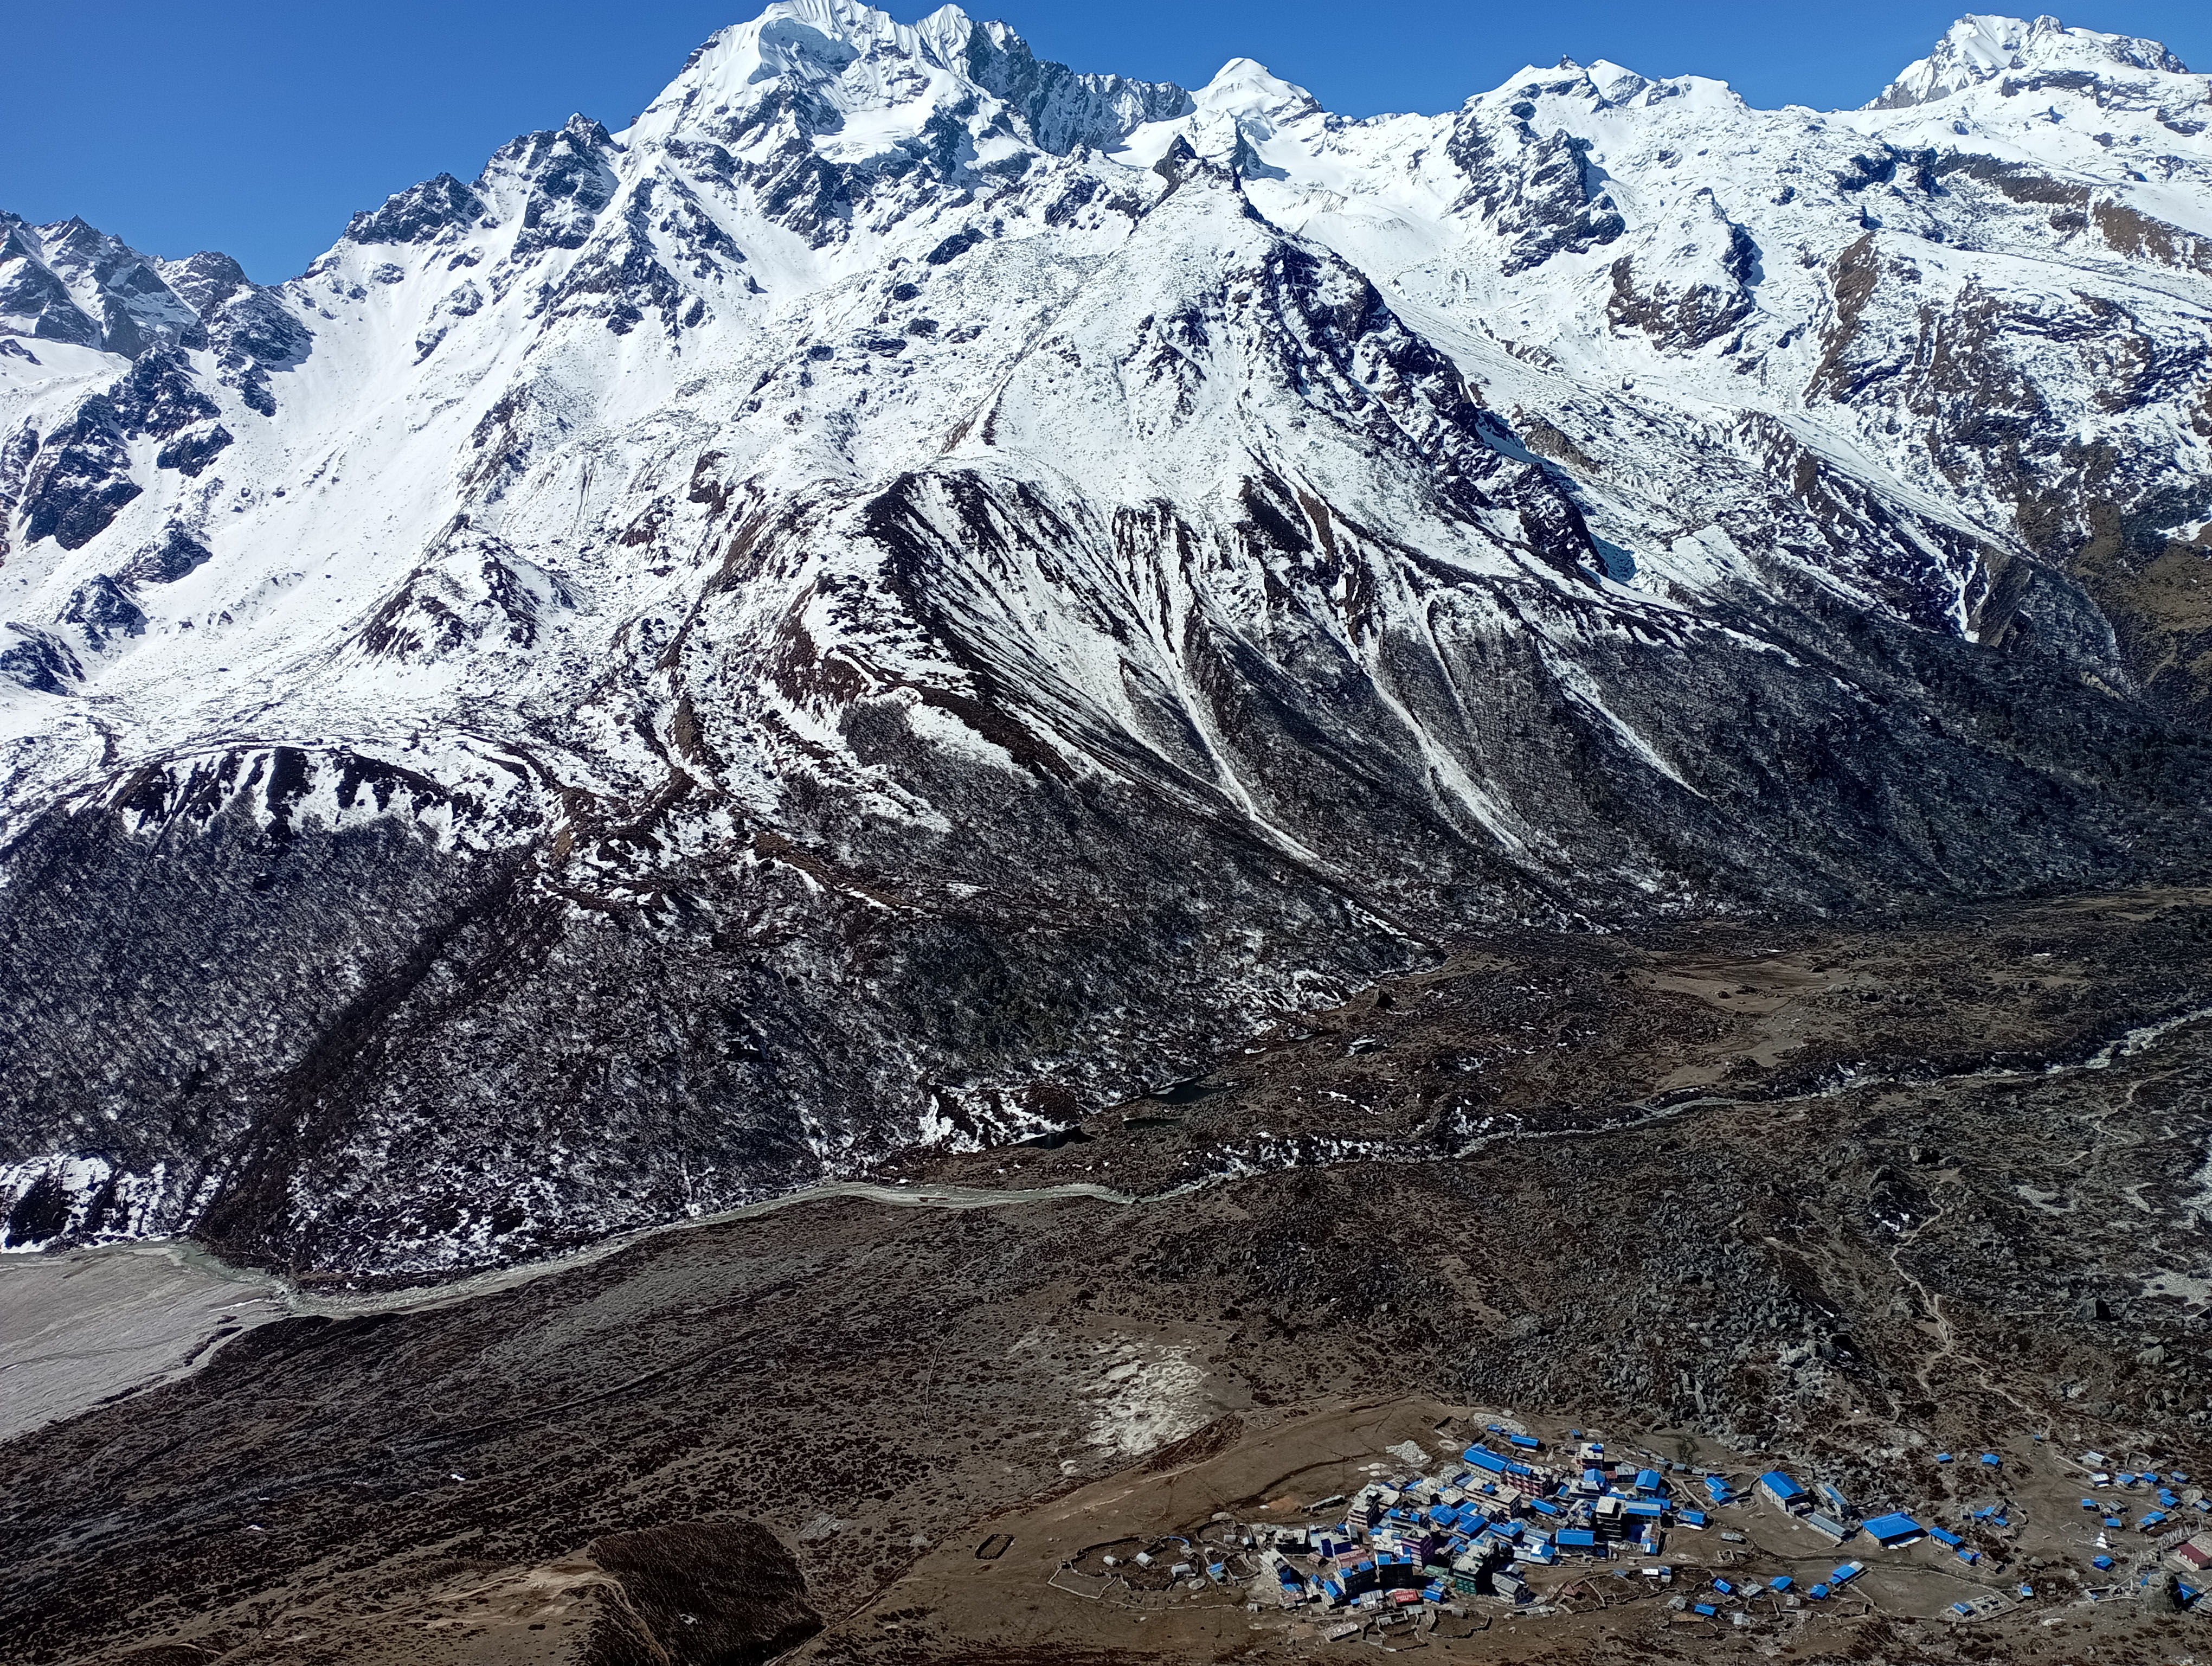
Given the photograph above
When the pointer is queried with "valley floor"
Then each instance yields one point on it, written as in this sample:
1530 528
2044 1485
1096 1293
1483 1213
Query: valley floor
1855 1192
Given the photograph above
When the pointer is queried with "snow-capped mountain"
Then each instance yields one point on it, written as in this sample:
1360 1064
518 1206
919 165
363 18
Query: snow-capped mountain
2030 57
912 591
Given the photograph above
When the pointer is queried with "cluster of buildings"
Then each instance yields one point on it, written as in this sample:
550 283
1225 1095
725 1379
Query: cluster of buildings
1483 1526
2164 1508
2154 1495
1479 1526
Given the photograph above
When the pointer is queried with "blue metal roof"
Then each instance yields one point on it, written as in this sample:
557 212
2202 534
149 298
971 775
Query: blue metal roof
1887 1530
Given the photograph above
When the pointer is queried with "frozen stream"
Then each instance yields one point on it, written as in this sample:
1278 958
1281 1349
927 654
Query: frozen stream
79 1329
85 1326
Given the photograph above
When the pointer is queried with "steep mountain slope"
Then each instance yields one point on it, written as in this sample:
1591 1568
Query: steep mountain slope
911 591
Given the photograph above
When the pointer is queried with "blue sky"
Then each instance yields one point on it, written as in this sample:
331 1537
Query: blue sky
257 127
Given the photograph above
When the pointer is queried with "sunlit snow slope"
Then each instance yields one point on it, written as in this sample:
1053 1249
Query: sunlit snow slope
913 591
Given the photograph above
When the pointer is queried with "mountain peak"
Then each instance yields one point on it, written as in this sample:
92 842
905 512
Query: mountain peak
855 23
1249 93
817 43
68 281
845 59
1980 48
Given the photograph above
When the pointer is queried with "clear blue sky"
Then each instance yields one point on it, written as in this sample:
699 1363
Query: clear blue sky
256 126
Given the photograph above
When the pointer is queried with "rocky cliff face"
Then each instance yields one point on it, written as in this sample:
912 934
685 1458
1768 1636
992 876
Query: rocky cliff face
911 591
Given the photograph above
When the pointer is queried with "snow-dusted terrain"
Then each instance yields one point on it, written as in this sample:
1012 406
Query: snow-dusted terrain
911 591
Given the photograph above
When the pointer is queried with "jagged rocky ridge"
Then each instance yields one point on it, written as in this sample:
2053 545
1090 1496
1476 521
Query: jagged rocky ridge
912 590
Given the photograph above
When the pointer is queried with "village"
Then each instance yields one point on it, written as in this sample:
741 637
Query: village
1516 1526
